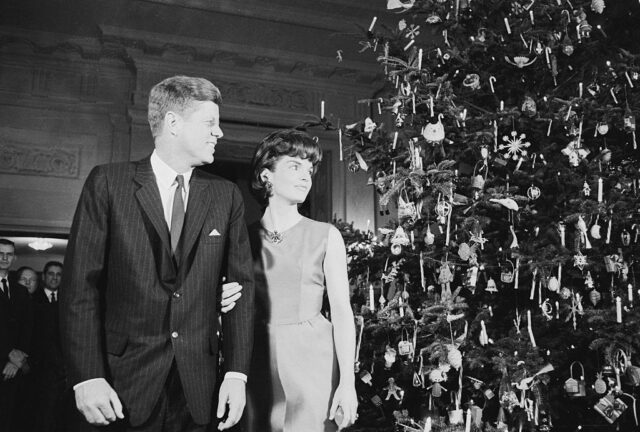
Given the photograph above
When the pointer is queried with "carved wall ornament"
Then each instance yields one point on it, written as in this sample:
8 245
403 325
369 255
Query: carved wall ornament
41 161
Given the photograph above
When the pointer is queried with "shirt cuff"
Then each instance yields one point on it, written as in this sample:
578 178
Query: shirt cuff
237 375
87 381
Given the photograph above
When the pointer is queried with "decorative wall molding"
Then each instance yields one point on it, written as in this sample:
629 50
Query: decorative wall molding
193 50
18 158
319 14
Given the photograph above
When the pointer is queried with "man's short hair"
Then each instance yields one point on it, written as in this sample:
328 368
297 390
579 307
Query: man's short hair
51 264
177 94
8 243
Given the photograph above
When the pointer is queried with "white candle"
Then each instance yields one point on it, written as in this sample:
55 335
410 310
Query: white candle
420 59
530 329
506 24
427 425
401 309
626 74
501 105
368 223
373 22
580 90
618 310
531 16
340 142
372 301
630 292
322 109
467 425
599 190
395 140
407 46
422 278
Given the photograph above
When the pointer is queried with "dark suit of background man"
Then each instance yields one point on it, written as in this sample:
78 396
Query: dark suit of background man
48 366
150 243
15 336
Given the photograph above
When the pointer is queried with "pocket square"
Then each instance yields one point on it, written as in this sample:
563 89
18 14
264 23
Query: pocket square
214 233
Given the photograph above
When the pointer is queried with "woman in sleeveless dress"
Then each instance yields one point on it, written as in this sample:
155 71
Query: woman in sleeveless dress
302 377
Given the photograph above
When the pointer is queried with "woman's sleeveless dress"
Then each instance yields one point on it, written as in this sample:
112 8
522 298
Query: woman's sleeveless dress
294 371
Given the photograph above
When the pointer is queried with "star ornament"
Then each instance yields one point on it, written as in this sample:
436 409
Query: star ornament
478 238
580 260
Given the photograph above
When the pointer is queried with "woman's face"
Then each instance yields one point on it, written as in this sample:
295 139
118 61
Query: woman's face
291 179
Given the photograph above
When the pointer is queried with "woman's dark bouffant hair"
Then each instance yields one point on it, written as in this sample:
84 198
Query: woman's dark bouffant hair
287 142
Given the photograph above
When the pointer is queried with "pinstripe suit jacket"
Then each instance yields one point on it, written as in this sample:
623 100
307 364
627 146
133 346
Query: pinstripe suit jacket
127 310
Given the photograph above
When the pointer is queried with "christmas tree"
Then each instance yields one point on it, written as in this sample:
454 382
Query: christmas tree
502 296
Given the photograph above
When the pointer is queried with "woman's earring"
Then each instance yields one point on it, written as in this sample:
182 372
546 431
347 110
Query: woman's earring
268 186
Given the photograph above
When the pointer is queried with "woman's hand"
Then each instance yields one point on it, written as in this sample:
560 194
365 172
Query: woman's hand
231 292
345 400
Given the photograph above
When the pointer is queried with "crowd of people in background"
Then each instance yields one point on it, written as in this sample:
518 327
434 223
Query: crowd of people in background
33 394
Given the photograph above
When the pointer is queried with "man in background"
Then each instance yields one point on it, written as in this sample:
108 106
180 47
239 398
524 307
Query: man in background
28 278
47 361
15 335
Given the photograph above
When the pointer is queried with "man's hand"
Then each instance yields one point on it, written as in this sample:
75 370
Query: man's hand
230 295
17 357
98 402
10 370
232 393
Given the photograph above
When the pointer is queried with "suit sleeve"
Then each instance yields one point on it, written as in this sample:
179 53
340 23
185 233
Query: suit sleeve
85 269
238 323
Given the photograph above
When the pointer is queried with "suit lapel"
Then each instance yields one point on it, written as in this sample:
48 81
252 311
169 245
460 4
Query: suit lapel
149 198
197 207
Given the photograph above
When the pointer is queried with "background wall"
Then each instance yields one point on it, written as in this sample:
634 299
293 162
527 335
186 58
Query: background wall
75 75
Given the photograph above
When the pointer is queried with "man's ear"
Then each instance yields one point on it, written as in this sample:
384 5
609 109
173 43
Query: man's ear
172 122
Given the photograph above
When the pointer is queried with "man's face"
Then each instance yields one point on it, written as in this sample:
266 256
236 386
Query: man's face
199 133
52 277
29 279
7 256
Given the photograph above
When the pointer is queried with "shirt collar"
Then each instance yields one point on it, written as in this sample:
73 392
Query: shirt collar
165 175
48 292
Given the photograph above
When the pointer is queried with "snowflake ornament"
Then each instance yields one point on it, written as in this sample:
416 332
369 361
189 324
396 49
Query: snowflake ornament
515 146
579 260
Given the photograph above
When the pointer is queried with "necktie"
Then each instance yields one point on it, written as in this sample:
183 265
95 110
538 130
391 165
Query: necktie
53 297
177 215
5 288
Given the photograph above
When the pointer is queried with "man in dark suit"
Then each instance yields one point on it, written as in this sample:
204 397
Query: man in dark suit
150 243
15 335
46 357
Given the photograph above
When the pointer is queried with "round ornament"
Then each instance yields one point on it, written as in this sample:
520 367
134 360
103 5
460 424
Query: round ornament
553 285
464 251
603 128
595 297
533 192
567 46
433 133
472 81
565 293
454 357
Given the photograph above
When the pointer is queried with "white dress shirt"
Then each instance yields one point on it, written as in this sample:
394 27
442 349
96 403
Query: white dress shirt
48 292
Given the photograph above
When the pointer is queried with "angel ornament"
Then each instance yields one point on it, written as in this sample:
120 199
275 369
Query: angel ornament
444 279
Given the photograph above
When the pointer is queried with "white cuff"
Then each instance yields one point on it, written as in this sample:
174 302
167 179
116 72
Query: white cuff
87 381
237 375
